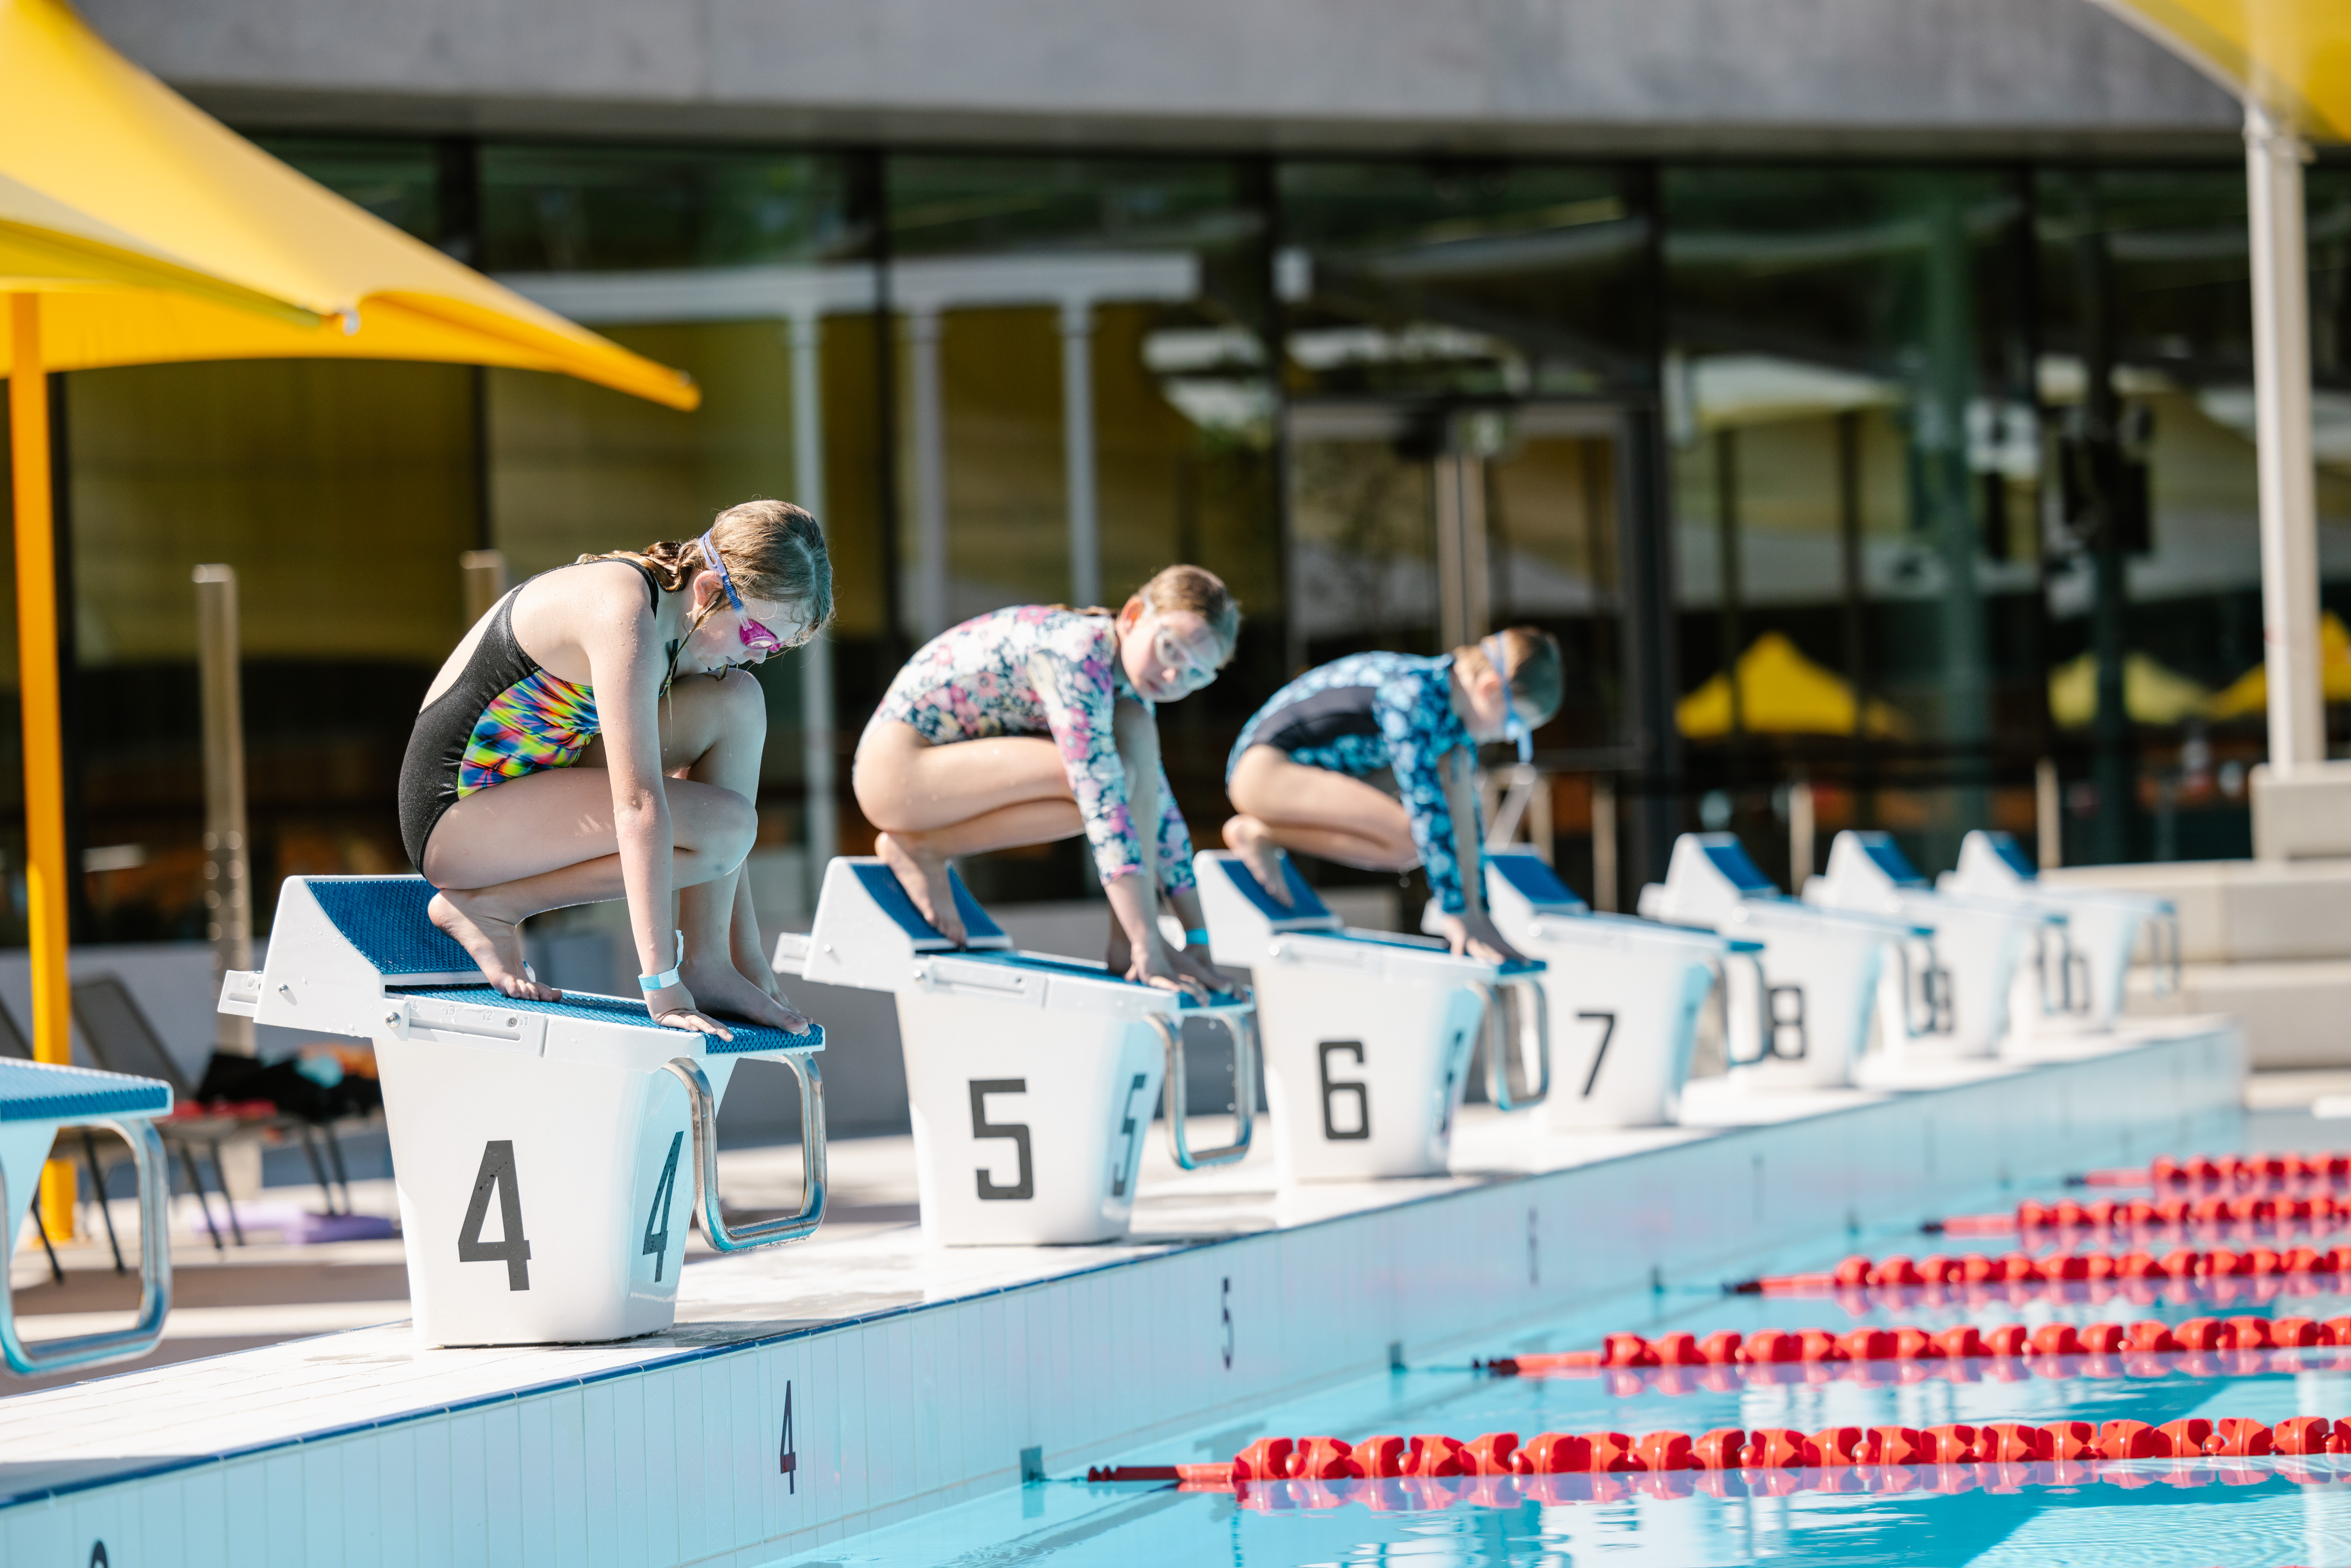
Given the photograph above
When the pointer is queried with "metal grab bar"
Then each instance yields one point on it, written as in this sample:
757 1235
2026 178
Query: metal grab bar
1242 1029
1533 1026
2163 952
766 1232
154 1269
2064 997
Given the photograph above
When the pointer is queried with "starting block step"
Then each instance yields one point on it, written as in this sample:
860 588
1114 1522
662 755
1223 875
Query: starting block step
37 1101
538 1148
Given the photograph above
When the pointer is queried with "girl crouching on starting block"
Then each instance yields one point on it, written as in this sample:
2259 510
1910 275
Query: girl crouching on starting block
1035 723
596 735
1370 760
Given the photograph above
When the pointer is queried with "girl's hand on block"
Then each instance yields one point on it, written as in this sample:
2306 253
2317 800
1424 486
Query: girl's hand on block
1474 936
1155 966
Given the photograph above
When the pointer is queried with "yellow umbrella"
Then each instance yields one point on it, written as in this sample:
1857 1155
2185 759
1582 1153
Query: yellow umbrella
1780 692
2291 56
2249 693
134 229
2153 693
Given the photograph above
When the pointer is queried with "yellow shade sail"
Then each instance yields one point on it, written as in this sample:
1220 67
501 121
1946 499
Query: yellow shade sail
156 233
2294 57
2249 693
1780 692
2153 692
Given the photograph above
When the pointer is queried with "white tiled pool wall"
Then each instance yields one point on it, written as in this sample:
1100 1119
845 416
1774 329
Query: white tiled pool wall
690 1461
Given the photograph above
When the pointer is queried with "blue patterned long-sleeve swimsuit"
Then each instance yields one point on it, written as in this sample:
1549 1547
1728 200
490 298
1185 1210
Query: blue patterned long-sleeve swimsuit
1372 714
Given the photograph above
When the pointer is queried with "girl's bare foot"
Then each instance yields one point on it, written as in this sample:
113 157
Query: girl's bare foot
494 943
721 988
1253 841
923 872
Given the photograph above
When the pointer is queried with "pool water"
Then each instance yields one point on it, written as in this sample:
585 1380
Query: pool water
2245 1513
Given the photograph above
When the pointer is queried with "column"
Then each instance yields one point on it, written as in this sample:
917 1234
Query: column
1078 450
2274 160
818 761
928 600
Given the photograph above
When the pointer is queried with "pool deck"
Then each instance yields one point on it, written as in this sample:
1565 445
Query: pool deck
814 1391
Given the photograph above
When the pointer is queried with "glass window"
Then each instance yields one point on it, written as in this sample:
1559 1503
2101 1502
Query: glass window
2146 271
399 181
586 208
1082 358
1855 451
1462 279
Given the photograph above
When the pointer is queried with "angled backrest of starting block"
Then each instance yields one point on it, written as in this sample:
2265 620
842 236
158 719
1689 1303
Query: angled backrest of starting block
541 1148
1032 1077
36 1101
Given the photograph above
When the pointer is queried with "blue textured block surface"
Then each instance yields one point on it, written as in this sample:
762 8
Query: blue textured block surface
619 1010
39 1091
384 917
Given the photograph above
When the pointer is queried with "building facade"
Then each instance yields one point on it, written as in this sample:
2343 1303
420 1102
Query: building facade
1895 356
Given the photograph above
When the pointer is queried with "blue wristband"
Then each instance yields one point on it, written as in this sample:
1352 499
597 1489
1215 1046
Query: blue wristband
1195 936
668 977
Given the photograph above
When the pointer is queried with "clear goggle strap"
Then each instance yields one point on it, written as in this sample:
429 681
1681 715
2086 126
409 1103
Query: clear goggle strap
1514 724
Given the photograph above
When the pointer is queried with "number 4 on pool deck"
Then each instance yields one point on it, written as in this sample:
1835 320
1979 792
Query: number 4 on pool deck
497 1171
787 1460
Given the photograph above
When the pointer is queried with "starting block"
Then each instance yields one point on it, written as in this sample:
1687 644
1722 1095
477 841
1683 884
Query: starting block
1632 989
538 1147
1980 939
1798 1013
1032 1077
1370 1035
37 1101
2083 963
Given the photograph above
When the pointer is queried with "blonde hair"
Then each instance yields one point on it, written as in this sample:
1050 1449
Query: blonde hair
1538 670
773 550
1174 589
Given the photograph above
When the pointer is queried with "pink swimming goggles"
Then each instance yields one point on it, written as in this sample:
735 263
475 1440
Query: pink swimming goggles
757 638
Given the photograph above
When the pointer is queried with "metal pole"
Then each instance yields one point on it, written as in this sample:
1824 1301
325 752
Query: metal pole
1077 451
485 575
37 684
2049 827
818 763
1800 834
2273 158
228 871
1604 843
929 422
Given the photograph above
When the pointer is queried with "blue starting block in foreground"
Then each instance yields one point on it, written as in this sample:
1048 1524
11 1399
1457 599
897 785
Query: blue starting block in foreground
538 1147
37 1101
1032 1077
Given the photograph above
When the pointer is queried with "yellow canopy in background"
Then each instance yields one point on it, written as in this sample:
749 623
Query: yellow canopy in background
1780 692
160 234
2293 55
2153 693
2249 693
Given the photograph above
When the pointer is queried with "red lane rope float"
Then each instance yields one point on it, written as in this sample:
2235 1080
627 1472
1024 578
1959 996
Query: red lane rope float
2317 1210
1725 1362
1431 1471
2022 1268
2227 1170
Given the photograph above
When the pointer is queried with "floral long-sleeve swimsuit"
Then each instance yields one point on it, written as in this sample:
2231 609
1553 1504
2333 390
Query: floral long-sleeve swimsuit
1370 714
1039 670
